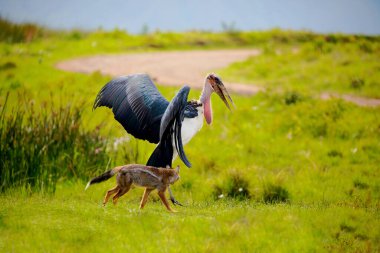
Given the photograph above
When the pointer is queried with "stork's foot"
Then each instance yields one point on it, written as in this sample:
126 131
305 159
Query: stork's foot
175 202
172 199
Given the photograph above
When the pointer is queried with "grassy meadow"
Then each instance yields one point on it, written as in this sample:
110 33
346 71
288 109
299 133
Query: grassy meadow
284 172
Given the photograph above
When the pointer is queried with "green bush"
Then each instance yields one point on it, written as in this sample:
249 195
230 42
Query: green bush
274 193
39 148
292 97
234 186
14 33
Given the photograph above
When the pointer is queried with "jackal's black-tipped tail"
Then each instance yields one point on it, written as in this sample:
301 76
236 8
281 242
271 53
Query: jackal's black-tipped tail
103 177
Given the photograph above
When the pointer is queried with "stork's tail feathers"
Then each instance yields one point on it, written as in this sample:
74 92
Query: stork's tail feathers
103 177
162 155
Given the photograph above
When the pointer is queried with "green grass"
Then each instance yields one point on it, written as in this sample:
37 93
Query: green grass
316 66
74 220
284 172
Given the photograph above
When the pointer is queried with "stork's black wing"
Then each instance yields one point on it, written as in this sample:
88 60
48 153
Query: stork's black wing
136 104
170 131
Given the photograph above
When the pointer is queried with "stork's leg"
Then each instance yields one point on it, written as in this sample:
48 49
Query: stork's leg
172 199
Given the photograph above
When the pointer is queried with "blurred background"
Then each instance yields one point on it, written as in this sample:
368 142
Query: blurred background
338 16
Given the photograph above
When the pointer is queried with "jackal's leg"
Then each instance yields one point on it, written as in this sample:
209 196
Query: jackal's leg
120 193
145 197
165 201
109 194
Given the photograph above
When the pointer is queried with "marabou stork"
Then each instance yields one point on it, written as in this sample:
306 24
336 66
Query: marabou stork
144 113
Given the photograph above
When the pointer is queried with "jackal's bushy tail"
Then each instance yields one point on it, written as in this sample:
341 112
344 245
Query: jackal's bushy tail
103 177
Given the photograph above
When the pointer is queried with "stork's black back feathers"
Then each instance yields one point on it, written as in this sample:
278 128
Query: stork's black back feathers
143 112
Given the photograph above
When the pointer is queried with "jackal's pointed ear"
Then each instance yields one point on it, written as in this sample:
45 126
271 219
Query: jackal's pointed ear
177 169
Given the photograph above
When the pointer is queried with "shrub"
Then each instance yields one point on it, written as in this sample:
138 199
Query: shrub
335 153
273 193
14 33
360 185
39 148
292 97
7 66
357 83
234 186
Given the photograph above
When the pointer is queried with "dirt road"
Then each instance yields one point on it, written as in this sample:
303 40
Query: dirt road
168 68
176 68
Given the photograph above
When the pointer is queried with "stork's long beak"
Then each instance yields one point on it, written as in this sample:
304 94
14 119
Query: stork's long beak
222 92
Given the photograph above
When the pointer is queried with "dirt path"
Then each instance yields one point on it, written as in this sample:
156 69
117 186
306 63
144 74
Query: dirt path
177 68
169 68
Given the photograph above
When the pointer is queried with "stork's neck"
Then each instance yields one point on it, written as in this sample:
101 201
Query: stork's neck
206 101
206 93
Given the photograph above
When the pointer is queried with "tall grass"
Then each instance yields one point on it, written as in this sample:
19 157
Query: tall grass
40 147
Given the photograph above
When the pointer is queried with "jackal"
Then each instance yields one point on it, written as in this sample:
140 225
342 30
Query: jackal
146 176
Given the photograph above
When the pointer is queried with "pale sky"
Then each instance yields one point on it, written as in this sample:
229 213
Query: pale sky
345 16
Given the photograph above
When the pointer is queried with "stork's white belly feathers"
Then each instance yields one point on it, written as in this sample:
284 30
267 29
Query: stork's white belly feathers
190 126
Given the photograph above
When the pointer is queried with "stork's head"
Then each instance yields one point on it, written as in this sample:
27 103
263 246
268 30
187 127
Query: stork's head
214 84
219 88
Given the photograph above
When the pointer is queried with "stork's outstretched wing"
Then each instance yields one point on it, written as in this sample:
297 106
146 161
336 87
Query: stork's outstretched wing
136 104
170 131
143 112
